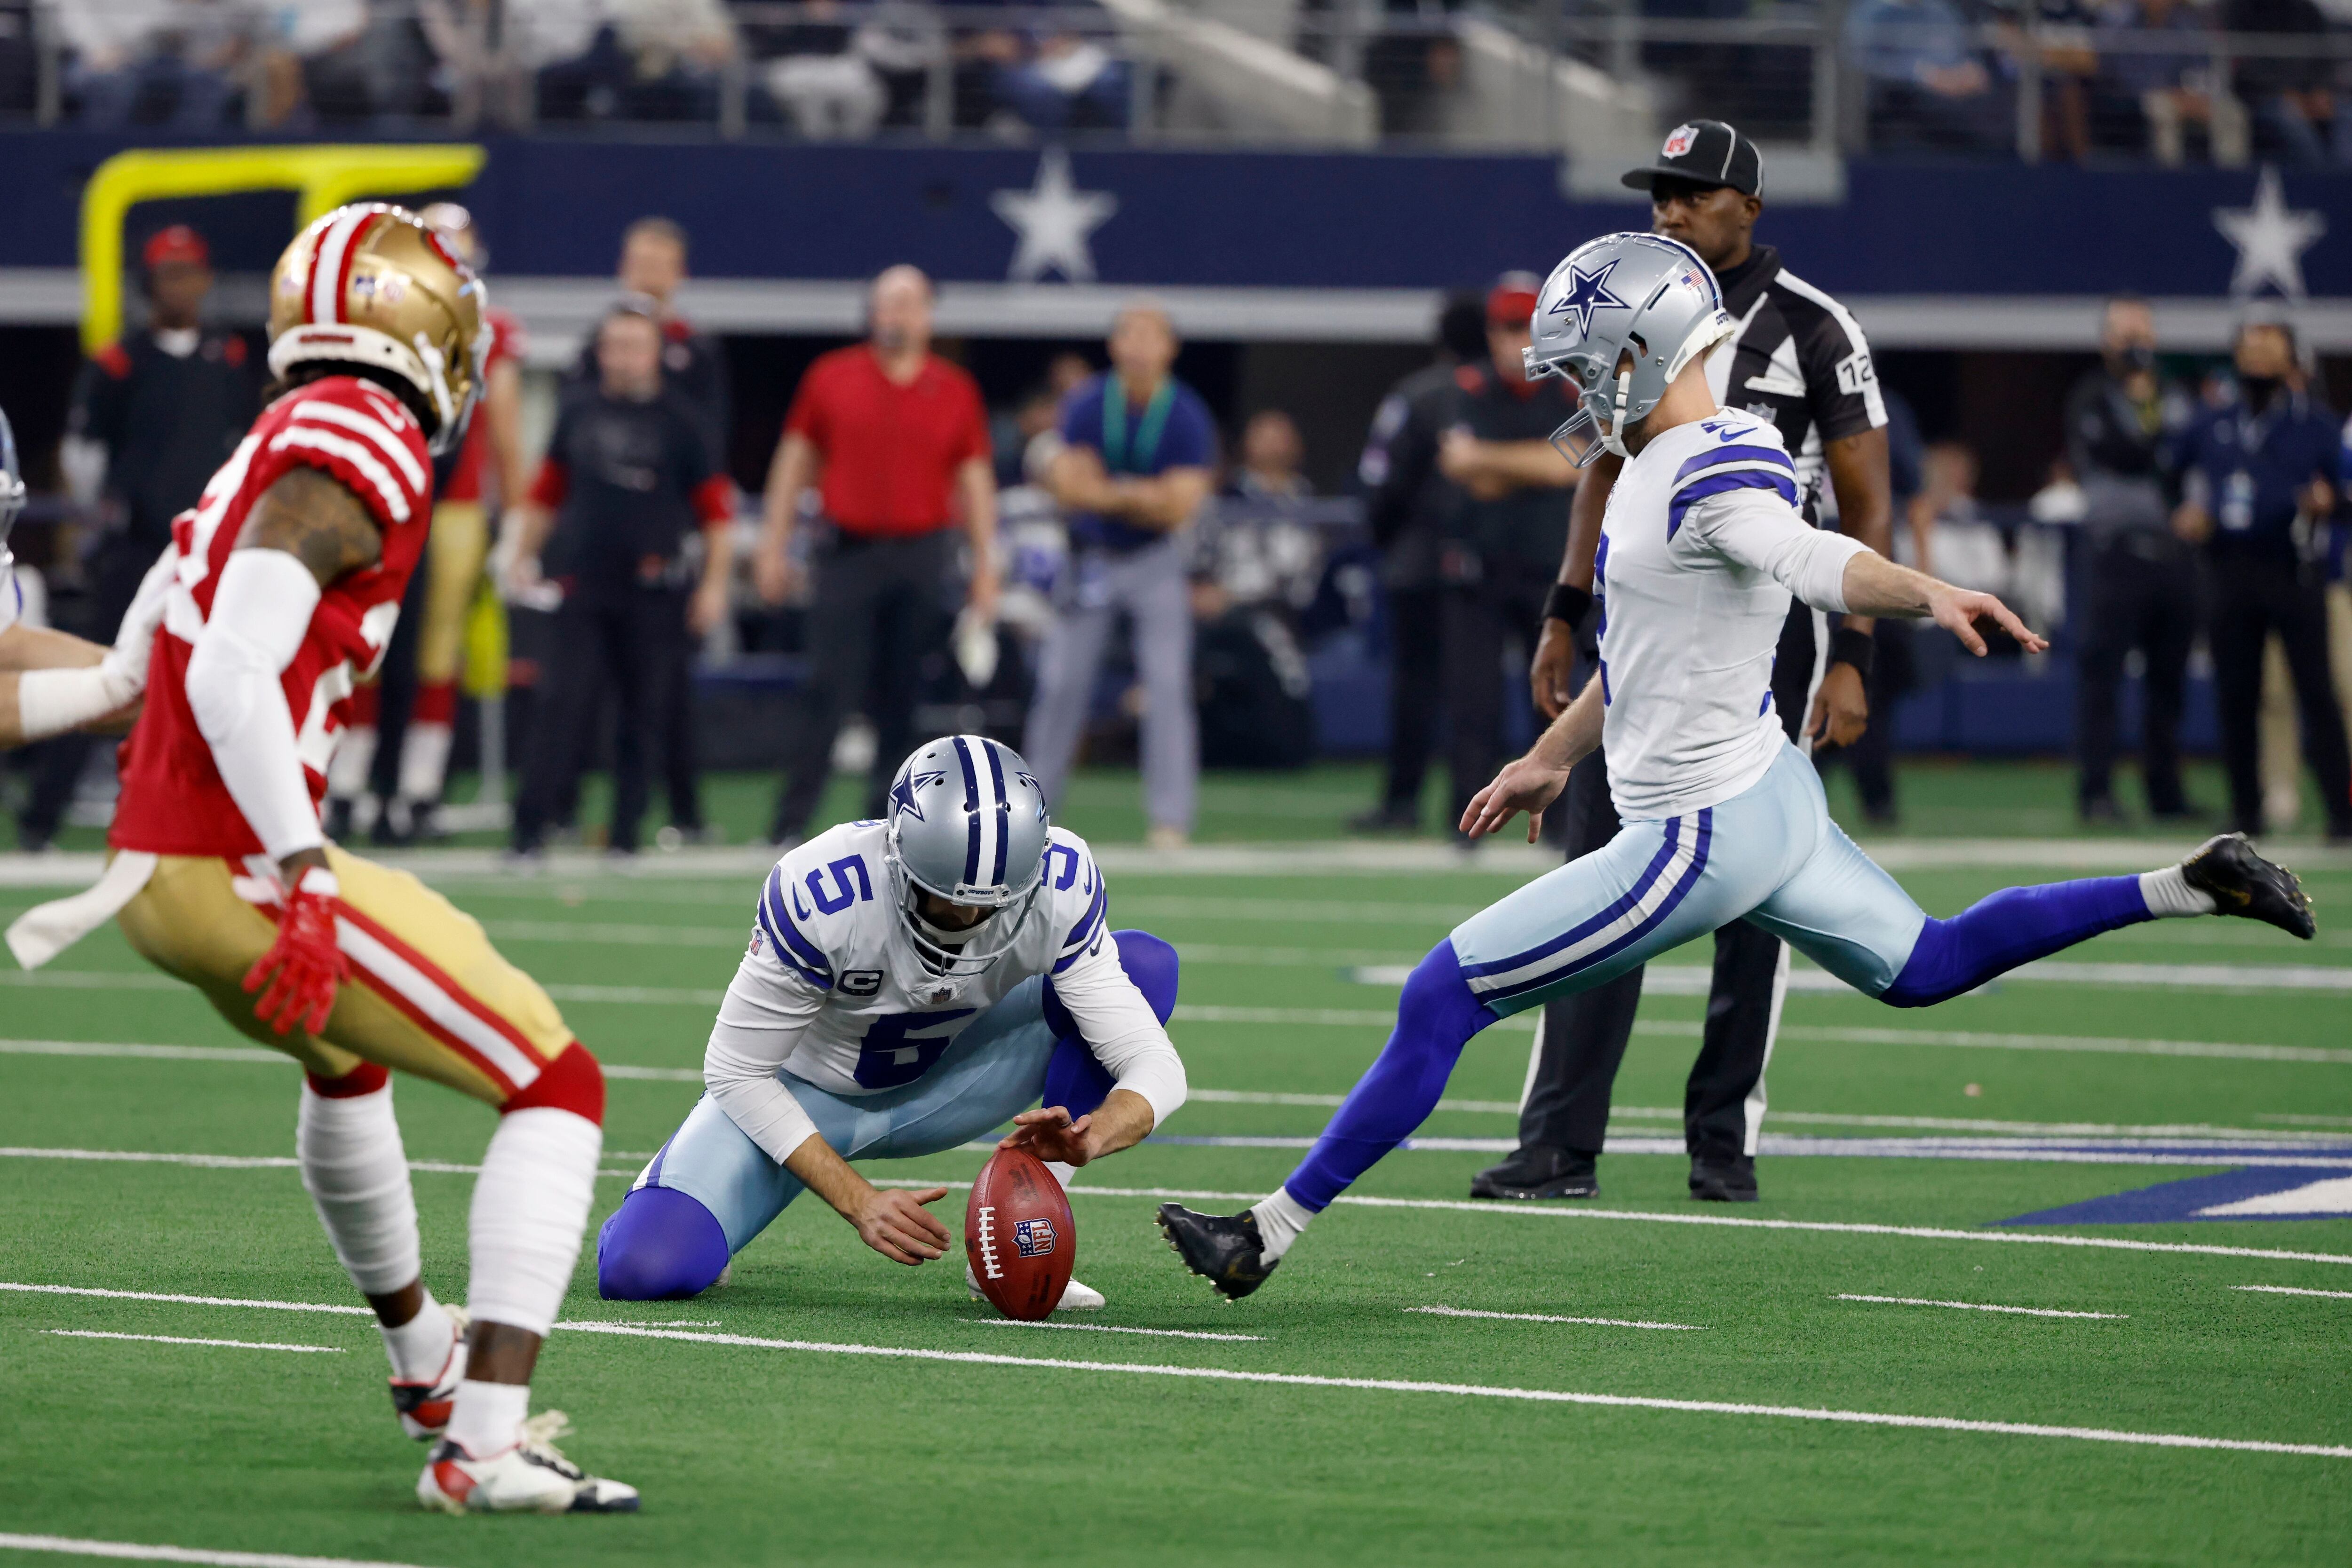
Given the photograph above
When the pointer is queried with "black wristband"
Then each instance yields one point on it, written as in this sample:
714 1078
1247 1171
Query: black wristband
1848 646
1567 602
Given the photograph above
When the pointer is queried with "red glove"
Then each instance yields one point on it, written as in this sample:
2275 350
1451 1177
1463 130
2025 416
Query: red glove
309 965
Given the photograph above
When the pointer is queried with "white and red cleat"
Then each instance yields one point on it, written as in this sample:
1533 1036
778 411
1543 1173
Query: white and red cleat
531 1477
424 1406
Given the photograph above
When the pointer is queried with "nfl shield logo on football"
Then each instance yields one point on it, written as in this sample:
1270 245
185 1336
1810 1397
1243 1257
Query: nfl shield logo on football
1678 141
1034 1238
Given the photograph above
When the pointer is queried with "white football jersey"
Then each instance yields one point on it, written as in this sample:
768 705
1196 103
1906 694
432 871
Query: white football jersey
1701 547
832 981
12 598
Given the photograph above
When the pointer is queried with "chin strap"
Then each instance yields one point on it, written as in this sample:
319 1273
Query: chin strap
1612 436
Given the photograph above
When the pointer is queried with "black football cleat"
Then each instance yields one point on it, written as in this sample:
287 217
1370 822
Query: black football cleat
2244 884
1731 1179
1224 1249
1536 1172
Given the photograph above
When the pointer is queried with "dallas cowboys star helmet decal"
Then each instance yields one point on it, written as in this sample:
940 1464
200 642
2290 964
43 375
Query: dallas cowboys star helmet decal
902 793
1589 292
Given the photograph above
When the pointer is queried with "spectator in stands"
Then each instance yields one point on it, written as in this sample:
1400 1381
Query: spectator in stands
2290 96
1255 565
1253 547
159 411
150 62
896 441
1929 84
2058 47
314 65
815 69
2172 92
1408 503
1139 452
2257 481
626 480
2143 580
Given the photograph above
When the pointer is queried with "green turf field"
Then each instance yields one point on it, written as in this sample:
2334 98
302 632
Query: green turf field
1050 1446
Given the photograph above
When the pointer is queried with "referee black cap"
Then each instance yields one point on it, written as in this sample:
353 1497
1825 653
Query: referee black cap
1706 152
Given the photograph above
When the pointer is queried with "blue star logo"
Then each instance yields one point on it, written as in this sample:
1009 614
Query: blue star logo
902 793
1589 292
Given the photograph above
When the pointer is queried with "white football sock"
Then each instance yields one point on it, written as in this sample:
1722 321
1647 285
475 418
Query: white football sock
2169 896
357 1174
531 1205
419 1348
424 762
354 758
1280 1218
487 1418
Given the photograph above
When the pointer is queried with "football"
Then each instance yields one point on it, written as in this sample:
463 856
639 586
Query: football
1018 1234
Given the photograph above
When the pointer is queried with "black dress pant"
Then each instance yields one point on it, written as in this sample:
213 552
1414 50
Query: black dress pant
629 644
879 611
1584 1036
1500 614
122 565
2146 601
1416 672
2251 600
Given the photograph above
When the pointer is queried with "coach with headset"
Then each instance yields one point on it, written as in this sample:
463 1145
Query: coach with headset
1799 359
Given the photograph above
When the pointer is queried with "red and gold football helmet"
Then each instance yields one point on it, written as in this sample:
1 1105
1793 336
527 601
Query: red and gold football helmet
372 286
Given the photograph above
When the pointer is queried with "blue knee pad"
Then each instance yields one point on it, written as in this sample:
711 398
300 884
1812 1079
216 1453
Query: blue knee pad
1075 1078
659 1245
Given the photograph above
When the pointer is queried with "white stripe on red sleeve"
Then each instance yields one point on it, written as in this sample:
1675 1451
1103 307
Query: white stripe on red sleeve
384 440
396 501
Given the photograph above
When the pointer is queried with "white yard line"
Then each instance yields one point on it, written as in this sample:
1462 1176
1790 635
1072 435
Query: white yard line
258 1055
188 1300
242 1162
2269 1151
1698 981
175 1339
1118 1328
1547 1318
1488 1391
2292 1290
1976 1307
135 1552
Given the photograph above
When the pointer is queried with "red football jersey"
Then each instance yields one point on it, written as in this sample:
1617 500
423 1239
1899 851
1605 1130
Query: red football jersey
173 800
466 480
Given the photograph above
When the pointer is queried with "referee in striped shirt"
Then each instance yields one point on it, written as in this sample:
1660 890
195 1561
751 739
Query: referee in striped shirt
1799 361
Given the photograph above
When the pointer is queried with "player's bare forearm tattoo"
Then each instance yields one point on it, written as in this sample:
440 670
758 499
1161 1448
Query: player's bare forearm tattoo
312 516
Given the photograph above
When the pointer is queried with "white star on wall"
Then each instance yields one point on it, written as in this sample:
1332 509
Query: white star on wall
1054 218
2271 239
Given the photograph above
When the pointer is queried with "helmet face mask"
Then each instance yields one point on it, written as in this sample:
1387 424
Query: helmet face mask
12 484
1620 318
968 826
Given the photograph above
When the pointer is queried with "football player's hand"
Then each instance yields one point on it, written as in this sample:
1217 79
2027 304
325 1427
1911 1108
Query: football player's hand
1525 784
1957 610
308 964
894 1222
1840 708
1050 1134
1553 668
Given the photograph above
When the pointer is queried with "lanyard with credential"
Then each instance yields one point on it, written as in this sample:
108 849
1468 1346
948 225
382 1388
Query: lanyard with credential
1147 430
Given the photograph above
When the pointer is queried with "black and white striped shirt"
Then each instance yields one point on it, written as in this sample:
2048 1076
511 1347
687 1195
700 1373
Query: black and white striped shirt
1798 360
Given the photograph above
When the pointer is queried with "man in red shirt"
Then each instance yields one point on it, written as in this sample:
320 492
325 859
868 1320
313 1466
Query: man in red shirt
894 439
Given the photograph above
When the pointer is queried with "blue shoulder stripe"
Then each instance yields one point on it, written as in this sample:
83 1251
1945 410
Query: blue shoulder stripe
782 952
1723 454
1082 934
1722 484
776 916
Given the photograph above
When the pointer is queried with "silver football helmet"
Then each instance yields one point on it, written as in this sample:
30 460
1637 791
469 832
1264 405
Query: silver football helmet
1641 295
967 824
12 484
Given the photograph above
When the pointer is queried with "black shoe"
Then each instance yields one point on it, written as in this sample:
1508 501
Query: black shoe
1225 1250
1536 1171
2244 884
336 822
1731 1179
394 828
1386 819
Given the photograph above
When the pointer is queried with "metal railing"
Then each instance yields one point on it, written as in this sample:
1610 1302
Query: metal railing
1591 76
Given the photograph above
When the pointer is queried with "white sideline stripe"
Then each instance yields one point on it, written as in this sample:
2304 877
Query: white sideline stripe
1695 980
1116 1328
1548 1318
1489 1390
1786 1146
187 1300
137 980
242 1162
258 1054
73 1546
1976 1307
2292 1291
175 1339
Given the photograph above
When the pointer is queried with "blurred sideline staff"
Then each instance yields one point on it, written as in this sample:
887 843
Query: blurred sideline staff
167 405
627 479
1507 530
2257 491
1137 461
2143 580
1799 359
1407 503
490 463
894 439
